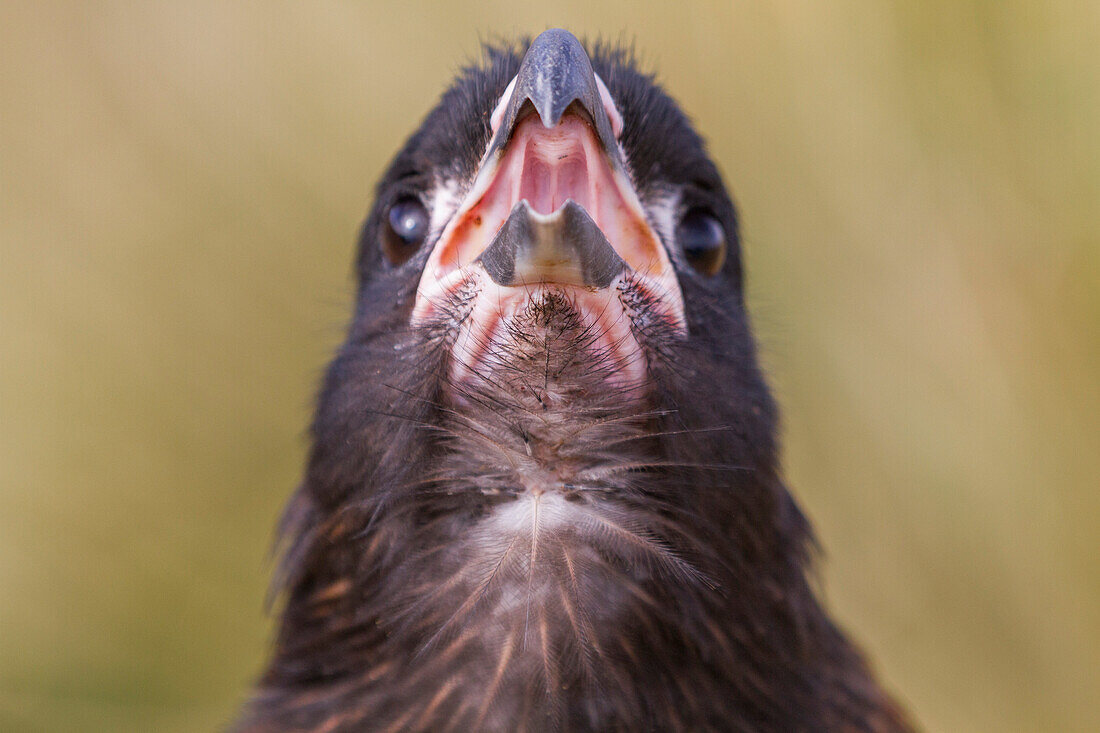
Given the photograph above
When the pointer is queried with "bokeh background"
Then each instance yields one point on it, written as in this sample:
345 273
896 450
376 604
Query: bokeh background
180 188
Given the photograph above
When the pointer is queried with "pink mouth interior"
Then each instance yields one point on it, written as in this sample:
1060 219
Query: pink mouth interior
547 167
554 168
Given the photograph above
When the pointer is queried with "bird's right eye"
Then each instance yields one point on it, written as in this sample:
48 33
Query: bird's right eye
406 228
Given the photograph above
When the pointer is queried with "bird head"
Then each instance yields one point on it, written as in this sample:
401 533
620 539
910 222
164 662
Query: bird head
543 491
553 262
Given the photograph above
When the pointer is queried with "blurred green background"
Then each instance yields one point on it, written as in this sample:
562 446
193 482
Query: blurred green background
181 188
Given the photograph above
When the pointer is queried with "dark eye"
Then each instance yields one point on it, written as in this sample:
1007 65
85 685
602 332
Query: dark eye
703 241
405 229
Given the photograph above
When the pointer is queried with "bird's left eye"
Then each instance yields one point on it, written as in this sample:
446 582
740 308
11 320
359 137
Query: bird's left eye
703 240
406 227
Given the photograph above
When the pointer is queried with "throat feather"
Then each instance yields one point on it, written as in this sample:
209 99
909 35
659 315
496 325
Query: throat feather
545 406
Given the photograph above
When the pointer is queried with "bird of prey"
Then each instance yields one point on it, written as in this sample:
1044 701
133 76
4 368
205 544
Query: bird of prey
543 491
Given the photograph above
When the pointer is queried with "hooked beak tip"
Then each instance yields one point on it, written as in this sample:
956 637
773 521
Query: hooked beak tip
555 74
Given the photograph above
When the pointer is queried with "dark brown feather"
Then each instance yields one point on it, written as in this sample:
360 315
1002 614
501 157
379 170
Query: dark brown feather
661 586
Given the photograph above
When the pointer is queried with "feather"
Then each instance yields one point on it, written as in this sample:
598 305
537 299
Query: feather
543 545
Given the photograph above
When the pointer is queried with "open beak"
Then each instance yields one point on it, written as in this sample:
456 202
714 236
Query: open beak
552 204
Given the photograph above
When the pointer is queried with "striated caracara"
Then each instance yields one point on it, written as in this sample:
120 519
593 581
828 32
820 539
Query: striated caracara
543 492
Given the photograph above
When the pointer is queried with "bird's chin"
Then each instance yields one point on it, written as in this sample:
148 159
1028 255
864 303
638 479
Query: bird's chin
549 346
